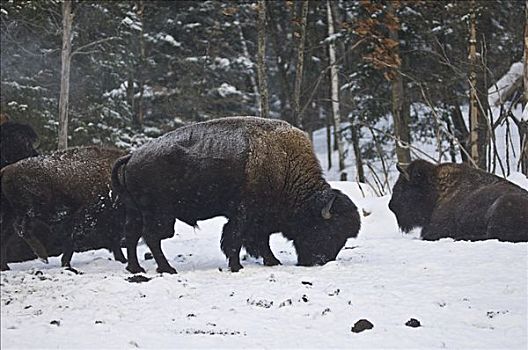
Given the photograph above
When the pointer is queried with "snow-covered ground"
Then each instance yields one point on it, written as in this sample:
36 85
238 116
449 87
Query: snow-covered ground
465 295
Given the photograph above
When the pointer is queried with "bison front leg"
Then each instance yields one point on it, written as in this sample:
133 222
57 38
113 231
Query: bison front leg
6 236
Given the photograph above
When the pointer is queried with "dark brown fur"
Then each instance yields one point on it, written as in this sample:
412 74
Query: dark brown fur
68 191
261 174
454 200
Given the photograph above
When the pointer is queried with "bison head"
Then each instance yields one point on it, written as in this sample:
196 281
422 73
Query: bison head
414 195
16 141
319 236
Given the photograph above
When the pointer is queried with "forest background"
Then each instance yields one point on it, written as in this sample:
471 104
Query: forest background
383 77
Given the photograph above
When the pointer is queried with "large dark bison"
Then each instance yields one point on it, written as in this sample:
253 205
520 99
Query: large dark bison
457 201
68 192
261 174
16 141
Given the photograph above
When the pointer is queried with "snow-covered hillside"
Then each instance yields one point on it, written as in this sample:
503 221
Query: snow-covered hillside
465 295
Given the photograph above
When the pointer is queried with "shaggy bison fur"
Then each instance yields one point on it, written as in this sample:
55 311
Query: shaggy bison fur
457 201
68 192
261 174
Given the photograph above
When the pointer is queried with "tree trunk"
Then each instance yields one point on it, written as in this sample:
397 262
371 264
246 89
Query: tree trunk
523 131
142 60
328 137
261 63
357 152
67 19
301 34
245 51
285 89
477 101
526 54
400 109
334 82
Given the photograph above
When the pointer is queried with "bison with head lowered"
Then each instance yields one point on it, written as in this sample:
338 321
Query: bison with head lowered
261 174
457 201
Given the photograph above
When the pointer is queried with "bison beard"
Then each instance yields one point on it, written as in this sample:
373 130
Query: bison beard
456 201
261 174
67 195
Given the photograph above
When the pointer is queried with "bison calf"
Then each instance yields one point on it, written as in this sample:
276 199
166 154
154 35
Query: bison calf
454 200
261 174
68 192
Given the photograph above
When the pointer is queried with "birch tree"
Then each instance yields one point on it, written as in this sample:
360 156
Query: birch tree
477 119
67 20
334 83
261 63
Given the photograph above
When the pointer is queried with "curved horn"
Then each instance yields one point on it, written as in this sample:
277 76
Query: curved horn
403 171
325 212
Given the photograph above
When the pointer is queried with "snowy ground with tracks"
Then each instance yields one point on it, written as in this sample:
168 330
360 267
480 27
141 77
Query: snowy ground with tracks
464 295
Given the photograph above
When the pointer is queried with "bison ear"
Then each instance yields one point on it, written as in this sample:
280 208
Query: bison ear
403 170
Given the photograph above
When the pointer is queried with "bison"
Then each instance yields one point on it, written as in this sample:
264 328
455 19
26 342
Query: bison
68 192
457 201
261 174
16 141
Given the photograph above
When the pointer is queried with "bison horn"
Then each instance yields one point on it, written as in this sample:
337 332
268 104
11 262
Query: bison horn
325 212
403 171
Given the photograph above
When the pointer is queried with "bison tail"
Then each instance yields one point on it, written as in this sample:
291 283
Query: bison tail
118 178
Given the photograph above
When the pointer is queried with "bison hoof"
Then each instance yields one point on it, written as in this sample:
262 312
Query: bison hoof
236 268
272 262
167 269
122 260
135 269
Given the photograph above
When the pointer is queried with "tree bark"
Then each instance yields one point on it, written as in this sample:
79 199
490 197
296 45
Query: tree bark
285 89
526 54
334 82
478 105
261 63
473 103
142 60
524 119
400 109
245 51
67 19
299 65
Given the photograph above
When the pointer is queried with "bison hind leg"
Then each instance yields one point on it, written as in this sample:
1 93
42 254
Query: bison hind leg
154 229
231 243
133 228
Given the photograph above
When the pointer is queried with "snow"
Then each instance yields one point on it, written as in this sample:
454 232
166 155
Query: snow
226 89
169 39
495 93
465 295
